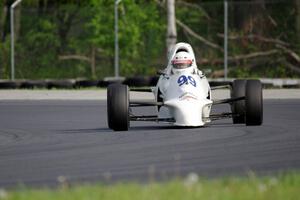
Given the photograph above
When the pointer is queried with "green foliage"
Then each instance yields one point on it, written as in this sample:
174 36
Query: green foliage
40 43
141 33
71 29
5 59
52 30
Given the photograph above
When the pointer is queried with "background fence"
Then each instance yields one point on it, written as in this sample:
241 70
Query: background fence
68 39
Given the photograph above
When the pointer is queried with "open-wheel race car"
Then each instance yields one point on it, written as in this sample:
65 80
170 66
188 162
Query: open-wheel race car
183 97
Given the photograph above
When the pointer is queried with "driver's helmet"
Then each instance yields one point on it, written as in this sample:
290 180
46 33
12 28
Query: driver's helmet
182 60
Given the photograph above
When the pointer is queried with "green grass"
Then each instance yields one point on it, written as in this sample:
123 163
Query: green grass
281 187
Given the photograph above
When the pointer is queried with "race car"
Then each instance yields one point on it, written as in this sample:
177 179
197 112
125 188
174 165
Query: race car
183 97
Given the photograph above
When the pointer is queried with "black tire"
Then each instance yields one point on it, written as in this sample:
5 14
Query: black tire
254 103
154 80
31 84
86 83
118 107
61 84
8 85
137 81
238 108
102 84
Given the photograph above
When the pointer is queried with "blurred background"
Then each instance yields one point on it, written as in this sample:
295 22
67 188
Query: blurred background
75 39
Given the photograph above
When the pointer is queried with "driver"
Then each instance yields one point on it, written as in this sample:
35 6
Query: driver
182 62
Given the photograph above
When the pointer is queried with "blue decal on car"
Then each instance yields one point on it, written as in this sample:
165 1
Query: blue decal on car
186 80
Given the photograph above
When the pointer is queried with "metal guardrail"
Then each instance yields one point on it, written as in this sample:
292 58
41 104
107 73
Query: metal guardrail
131 81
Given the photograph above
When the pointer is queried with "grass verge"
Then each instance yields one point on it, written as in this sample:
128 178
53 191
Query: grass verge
285 186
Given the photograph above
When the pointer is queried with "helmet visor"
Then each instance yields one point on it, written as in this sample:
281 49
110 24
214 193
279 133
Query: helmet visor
181 64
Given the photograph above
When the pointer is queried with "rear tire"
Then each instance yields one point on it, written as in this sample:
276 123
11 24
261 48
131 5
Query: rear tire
238 107
118 107
254 103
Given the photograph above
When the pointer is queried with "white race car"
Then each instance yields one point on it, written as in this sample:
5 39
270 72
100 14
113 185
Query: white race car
183 97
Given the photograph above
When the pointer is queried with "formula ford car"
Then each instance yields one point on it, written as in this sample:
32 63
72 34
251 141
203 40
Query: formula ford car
183 97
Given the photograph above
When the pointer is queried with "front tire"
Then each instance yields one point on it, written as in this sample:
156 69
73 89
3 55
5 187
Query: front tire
254 103
238 107
118 107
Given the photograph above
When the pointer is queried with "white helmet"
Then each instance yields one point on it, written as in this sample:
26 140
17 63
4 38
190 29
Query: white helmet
182 60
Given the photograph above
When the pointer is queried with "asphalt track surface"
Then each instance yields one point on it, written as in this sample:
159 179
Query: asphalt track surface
42 142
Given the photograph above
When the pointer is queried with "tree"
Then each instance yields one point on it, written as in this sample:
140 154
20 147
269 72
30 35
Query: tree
297 6
140 34
171 28
249 16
